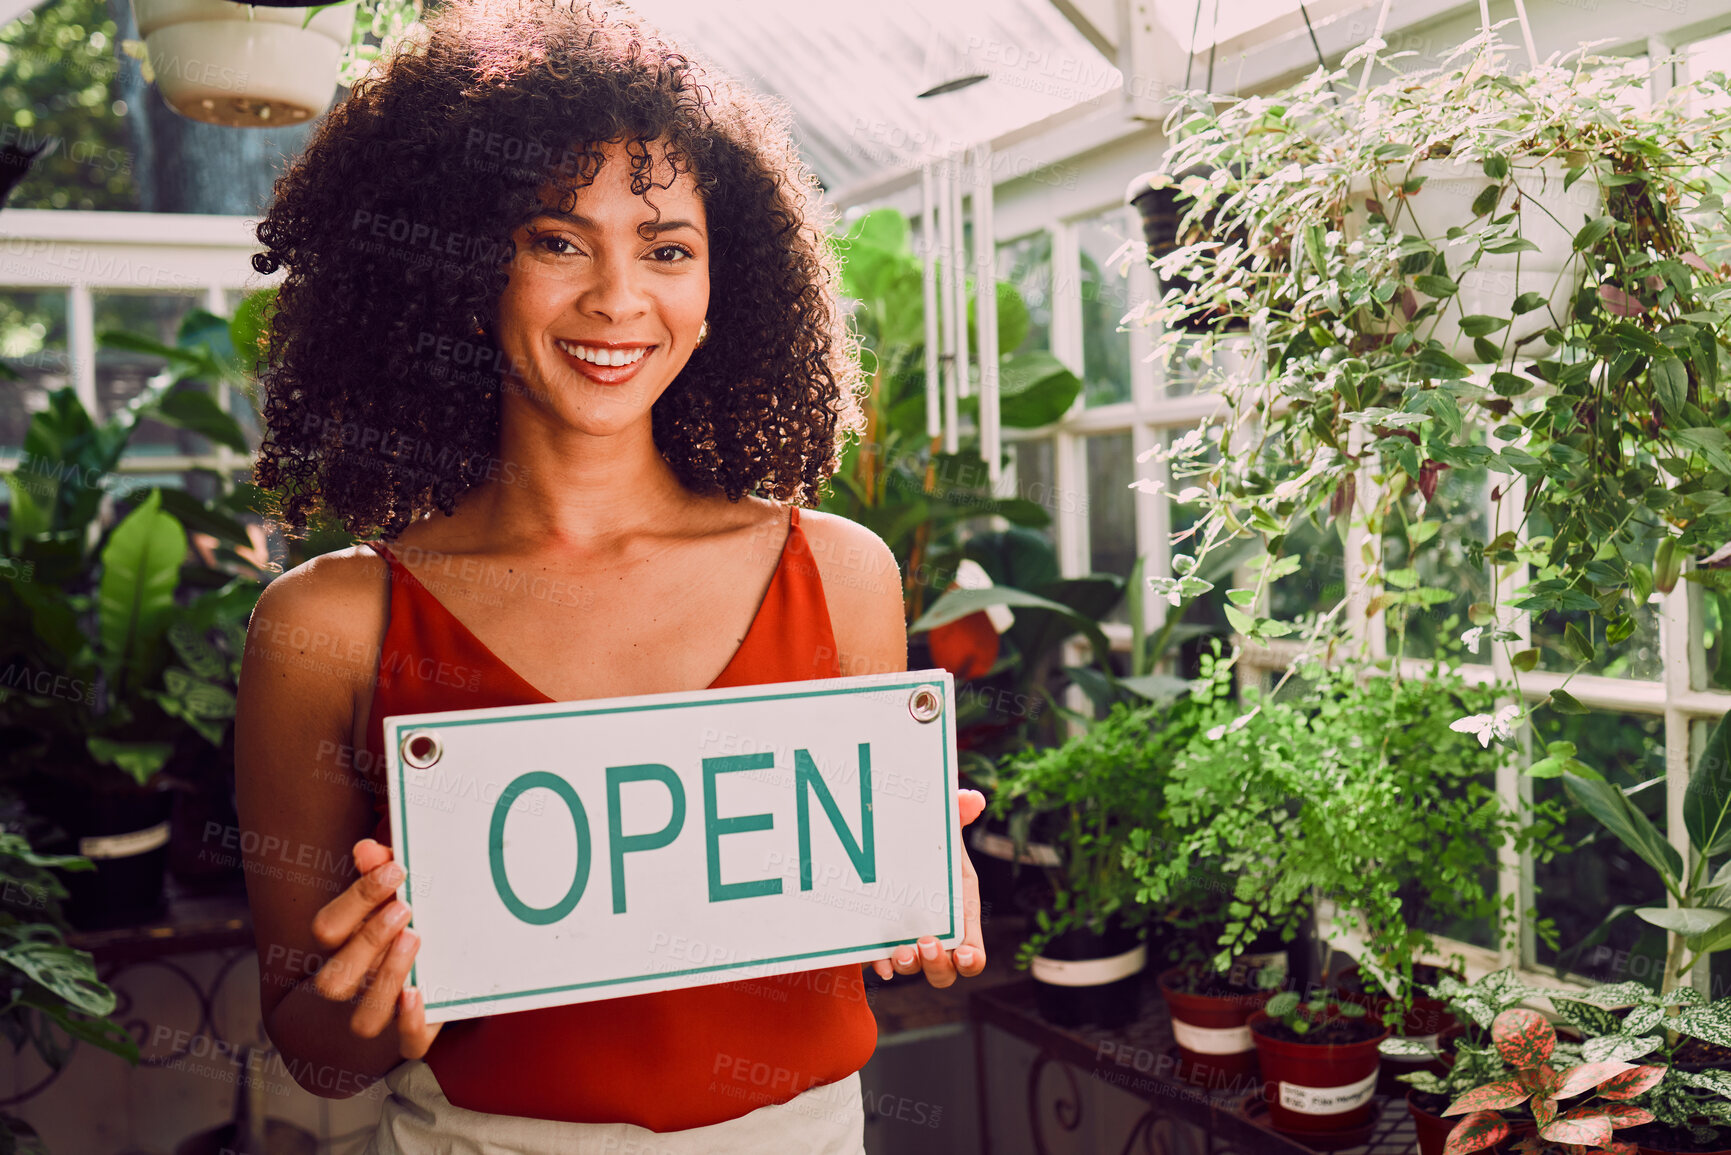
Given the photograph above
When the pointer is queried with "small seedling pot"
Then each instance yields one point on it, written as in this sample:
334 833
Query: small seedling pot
1317 1087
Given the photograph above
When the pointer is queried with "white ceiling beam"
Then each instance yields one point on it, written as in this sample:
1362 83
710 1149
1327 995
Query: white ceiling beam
11 10
1097 20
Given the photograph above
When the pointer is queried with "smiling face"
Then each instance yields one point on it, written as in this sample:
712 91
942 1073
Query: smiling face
598 317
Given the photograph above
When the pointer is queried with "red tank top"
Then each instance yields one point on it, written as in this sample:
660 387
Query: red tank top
666 1061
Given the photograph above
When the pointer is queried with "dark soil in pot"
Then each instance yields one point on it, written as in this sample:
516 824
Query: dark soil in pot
1082 977
1700 1055
1209 1012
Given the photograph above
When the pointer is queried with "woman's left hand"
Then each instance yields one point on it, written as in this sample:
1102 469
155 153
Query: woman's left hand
968 959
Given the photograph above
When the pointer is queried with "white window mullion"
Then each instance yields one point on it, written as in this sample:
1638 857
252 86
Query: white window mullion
81 341
1684 663
1514 871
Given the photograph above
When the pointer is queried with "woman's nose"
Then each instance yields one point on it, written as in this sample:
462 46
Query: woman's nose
613 291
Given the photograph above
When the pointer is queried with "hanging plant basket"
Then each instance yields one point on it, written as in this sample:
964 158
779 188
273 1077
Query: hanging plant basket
244 66
1454 198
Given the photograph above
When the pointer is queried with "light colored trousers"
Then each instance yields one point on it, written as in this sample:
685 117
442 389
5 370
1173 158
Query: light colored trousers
418 1120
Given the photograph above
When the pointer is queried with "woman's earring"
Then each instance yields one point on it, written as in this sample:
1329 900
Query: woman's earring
703 332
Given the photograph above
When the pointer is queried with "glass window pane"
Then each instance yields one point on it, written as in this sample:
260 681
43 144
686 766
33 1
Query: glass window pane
1636 656
33 344
1105 299
1204 616
1027 264
1579 888
1036 480
1430 625
1318 585
1715 625
122 374
1111 508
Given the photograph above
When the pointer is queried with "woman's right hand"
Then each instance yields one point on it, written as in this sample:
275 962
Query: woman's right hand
368 950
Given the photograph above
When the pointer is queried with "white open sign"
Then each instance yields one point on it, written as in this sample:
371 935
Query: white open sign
588 850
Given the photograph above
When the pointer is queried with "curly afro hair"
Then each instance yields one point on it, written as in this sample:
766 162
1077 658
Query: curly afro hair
382 383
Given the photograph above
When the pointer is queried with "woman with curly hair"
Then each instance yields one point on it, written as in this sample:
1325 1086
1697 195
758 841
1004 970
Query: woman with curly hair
562 333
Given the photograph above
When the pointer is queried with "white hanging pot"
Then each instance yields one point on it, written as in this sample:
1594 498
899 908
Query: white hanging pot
241 65
1550 216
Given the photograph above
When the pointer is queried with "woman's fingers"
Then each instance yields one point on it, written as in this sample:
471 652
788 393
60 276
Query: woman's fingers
970 953
370 855
971 803
377 1006
342 976
336 921
935 961
883 968
413 1031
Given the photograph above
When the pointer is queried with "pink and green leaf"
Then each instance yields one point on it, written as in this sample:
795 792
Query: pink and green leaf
1476 1132
1635 1081
1541 1080
1626 1114
1544 1109
1490 1097
1590 1075
1587 1125
1523 1038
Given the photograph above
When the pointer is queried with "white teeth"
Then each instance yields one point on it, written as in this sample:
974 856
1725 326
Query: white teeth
609 357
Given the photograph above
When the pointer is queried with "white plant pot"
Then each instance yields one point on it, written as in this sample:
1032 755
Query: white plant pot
240 65
1550 216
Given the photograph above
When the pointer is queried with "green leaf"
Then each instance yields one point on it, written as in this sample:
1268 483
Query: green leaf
1525 660
1684 920
1577 642
1482 324
1711 443
1670 385
1528 301
1034 389
249 326
1593 232
138 759
1434 285
1617 814
66 972
140 570
1707 799
195 410
1437 363
1711 1023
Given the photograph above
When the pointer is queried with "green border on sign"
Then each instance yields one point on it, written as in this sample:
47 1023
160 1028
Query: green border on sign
394 752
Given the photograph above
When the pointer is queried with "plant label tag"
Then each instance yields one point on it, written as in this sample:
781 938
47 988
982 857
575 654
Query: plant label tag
574 851
1327 1100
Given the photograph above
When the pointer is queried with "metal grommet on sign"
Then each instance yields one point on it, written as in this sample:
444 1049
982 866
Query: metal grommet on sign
421 748
925 703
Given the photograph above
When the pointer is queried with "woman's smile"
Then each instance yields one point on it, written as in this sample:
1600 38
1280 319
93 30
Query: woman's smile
605 366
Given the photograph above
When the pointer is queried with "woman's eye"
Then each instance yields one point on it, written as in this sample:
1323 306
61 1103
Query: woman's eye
680 249
547 243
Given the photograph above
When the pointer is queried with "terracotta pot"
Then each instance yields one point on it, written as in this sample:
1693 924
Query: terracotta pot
1317 1087
1215 1047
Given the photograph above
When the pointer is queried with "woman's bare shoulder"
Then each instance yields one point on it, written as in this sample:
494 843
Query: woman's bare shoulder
862 585
334 604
